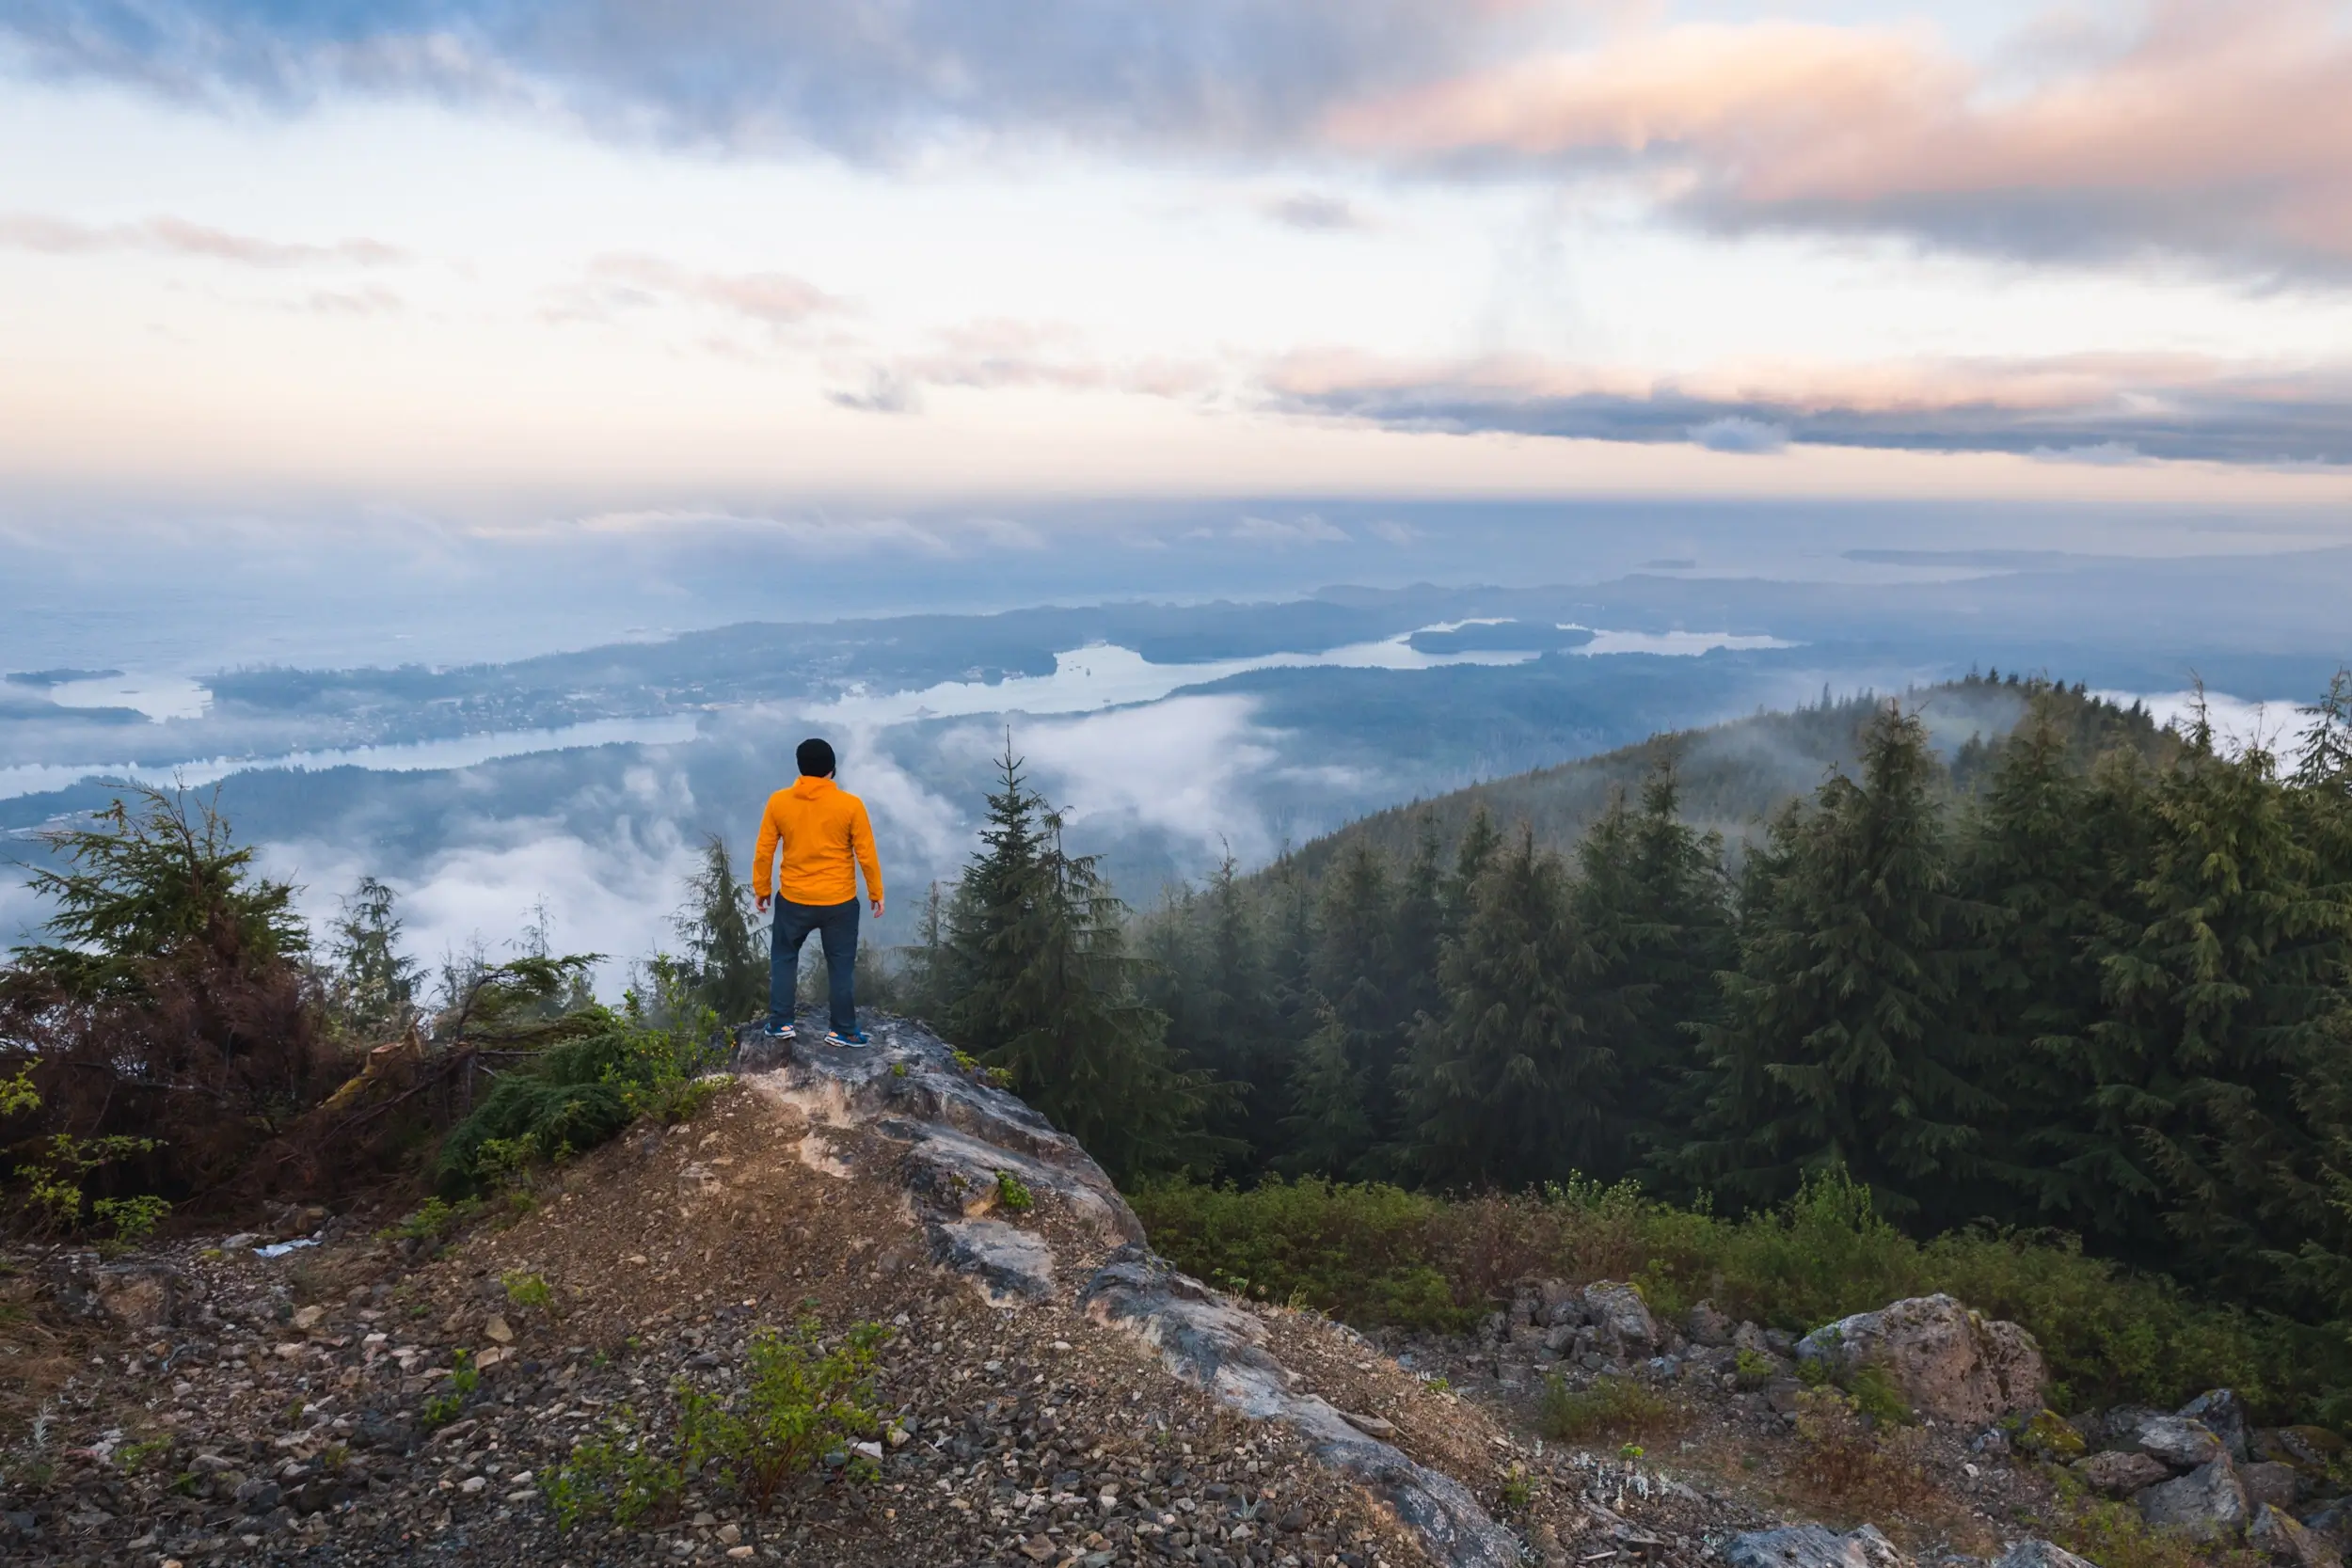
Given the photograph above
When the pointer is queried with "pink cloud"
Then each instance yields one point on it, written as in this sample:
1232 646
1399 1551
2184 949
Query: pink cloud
2223 127
777 298
173 236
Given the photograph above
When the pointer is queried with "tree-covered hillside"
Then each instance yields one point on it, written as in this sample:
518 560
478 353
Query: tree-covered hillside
1733 775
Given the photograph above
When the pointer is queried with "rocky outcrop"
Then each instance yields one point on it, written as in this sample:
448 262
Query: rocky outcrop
1813 1546
2220 1412
2206 1505
963 1149
2178 1442
2041 1554
2120 1475
2283 1540
1950 1363
1220 1348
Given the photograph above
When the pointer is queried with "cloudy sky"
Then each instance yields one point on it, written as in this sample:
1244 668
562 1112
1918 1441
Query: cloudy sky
613 262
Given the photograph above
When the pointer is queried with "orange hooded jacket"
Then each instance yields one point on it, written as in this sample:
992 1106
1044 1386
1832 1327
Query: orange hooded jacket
825 837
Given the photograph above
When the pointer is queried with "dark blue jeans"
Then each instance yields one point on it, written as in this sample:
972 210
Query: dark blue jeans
836 925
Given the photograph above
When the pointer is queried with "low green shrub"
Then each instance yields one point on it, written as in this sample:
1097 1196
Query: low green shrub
436 1222
657 1057
1371 1254
1013 1193
798 1401
527 1290
615 1475
1607 1407
1360 1252
133 1219
465 1378
1874 1395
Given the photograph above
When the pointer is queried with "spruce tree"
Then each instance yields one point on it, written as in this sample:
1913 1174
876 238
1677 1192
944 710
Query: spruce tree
1351 970
1654 903
1841 1044
1419 938
372 986
1039 945
2049 852
1328 1132
2223 1003
1512 1085
726 964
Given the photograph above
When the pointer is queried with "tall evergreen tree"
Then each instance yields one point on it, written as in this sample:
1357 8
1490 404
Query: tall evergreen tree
373 984
2220 1007
1512 1085
1351 970
1330 1131
726 964
2043 852
1420 929
1654 903
1049 992
1841 1044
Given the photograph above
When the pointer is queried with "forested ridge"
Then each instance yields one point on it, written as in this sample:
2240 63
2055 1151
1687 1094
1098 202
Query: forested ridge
2084 978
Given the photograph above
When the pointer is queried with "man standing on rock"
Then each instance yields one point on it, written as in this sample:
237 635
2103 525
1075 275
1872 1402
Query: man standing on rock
825 837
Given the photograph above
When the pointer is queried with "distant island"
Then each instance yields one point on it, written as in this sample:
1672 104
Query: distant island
45 678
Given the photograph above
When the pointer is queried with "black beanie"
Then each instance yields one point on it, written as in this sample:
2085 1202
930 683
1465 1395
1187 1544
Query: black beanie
816 759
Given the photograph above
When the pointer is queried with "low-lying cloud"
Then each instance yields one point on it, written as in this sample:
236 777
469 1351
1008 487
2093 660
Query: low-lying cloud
2092 409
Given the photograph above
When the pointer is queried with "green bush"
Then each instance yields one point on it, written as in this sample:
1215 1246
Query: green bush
1372 1254
1013 1193
797 1402
653 1058
1360 1252
527 1290
1608 1407
615 1474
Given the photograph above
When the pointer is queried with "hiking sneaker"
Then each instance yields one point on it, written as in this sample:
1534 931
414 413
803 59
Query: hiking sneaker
775 1031
846 1037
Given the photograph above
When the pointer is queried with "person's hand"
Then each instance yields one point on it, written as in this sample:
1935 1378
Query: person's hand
763 903
877 903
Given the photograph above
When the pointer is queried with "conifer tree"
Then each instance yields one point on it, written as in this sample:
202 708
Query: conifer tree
1512 1085
1420 928
2041 853
372 986
1840 1044
725 966
1049 992
1654 904
1350 971
2221 1008
1330 1131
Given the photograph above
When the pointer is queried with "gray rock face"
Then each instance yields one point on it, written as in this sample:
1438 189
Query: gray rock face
1813 1546
2333 1523
1950 1363
1707 1327
2041 1554
2271 1483
1621 1319
2180 1443
2206 1505
1220 1350
951 1139
1008 1264
2284 1541
2223 1414
2120 1475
